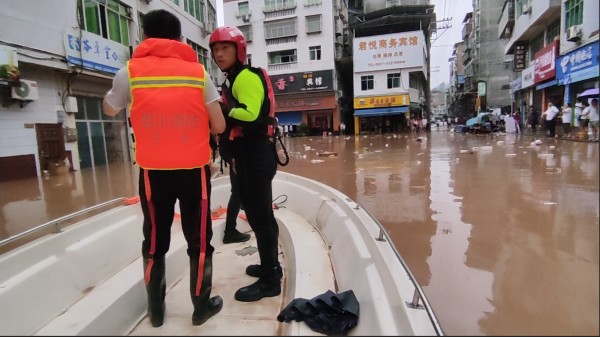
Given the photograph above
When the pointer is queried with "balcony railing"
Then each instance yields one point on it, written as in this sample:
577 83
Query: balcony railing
283 66
280 7
506 21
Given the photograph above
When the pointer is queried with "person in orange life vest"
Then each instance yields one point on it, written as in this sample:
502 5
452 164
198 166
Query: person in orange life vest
246 105
174 108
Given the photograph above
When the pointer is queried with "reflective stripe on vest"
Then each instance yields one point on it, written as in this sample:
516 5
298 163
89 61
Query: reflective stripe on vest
166 81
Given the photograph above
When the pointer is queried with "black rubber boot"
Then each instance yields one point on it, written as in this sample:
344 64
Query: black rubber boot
234 236
255 270
205 306
155 290
268 285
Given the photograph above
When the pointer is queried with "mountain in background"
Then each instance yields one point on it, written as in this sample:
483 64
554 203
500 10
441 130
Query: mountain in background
442 87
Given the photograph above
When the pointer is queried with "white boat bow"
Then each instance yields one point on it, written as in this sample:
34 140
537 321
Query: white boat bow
87 278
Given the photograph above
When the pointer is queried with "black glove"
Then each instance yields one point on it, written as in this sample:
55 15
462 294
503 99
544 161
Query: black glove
226 149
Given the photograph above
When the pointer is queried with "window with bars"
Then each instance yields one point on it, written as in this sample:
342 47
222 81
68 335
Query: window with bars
200 51
537 43
367 82
413 80
283 56
573 13
244 8
391 3
195 8
313 24
278 29
520 4
393 80
553 31
312 2
314 53
140 28
107 18
247 31
279 5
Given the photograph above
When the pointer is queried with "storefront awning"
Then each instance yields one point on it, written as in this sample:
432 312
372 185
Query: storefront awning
289 117
395 110
545 85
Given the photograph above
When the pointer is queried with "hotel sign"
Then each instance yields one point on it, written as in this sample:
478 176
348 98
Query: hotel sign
309 81
381 101
389 51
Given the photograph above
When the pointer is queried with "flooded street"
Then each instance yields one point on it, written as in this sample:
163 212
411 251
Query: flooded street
502 234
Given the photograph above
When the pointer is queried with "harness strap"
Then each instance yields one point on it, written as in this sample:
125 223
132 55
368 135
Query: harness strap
148 192
202 231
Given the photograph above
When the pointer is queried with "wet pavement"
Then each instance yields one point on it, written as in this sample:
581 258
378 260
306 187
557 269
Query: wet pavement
502 234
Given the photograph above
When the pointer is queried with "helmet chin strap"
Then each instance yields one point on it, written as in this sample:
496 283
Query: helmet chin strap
236 67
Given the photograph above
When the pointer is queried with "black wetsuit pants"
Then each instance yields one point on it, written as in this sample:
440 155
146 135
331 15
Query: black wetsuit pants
255 164
235 202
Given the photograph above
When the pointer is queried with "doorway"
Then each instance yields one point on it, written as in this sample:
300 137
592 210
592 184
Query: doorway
51 144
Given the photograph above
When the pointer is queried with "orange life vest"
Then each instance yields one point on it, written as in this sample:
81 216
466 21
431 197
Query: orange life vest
167 113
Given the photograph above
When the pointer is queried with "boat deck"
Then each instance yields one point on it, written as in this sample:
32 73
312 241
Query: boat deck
240 318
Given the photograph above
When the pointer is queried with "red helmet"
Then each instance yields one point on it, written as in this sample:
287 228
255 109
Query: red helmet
230 34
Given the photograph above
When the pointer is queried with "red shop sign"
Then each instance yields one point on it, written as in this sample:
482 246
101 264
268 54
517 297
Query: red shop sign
545 60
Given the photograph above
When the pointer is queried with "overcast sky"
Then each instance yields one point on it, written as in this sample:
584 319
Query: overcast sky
441 48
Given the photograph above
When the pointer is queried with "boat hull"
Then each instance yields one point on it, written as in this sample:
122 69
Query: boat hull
88 280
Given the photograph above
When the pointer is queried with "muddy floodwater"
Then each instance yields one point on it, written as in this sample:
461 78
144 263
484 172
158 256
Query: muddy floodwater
501 233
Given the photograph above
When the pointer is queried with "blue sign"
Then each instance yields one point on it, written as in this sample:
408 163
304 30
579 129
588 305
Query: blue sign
95 52
578 65
516 84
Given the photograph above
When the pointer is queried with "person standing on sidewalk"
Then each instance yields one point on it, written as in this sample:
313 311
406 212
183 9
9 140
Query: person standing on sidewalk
174 108
532 119
550 116
567 114
585 118
248 105
594 119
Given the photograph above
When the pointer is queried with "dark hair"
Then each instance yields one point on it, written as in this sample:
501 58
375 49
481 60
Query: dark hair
161 24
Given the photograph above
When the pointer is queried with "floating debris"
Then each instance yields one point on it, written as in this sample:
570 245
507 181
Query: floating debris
327 154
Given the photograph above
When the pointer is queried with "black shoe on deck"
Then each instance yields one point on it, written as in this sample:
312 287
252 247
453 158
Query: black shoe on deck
235 236
258 290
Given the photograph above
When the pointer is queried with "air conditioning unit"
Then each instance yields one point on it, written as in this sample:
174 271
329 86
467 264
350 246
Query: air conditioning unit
246 17
573 34
26 91
526 8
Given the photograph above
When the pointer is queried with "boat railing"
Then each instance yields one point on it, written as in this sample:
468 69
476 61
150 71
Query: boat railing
58 222
419 300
